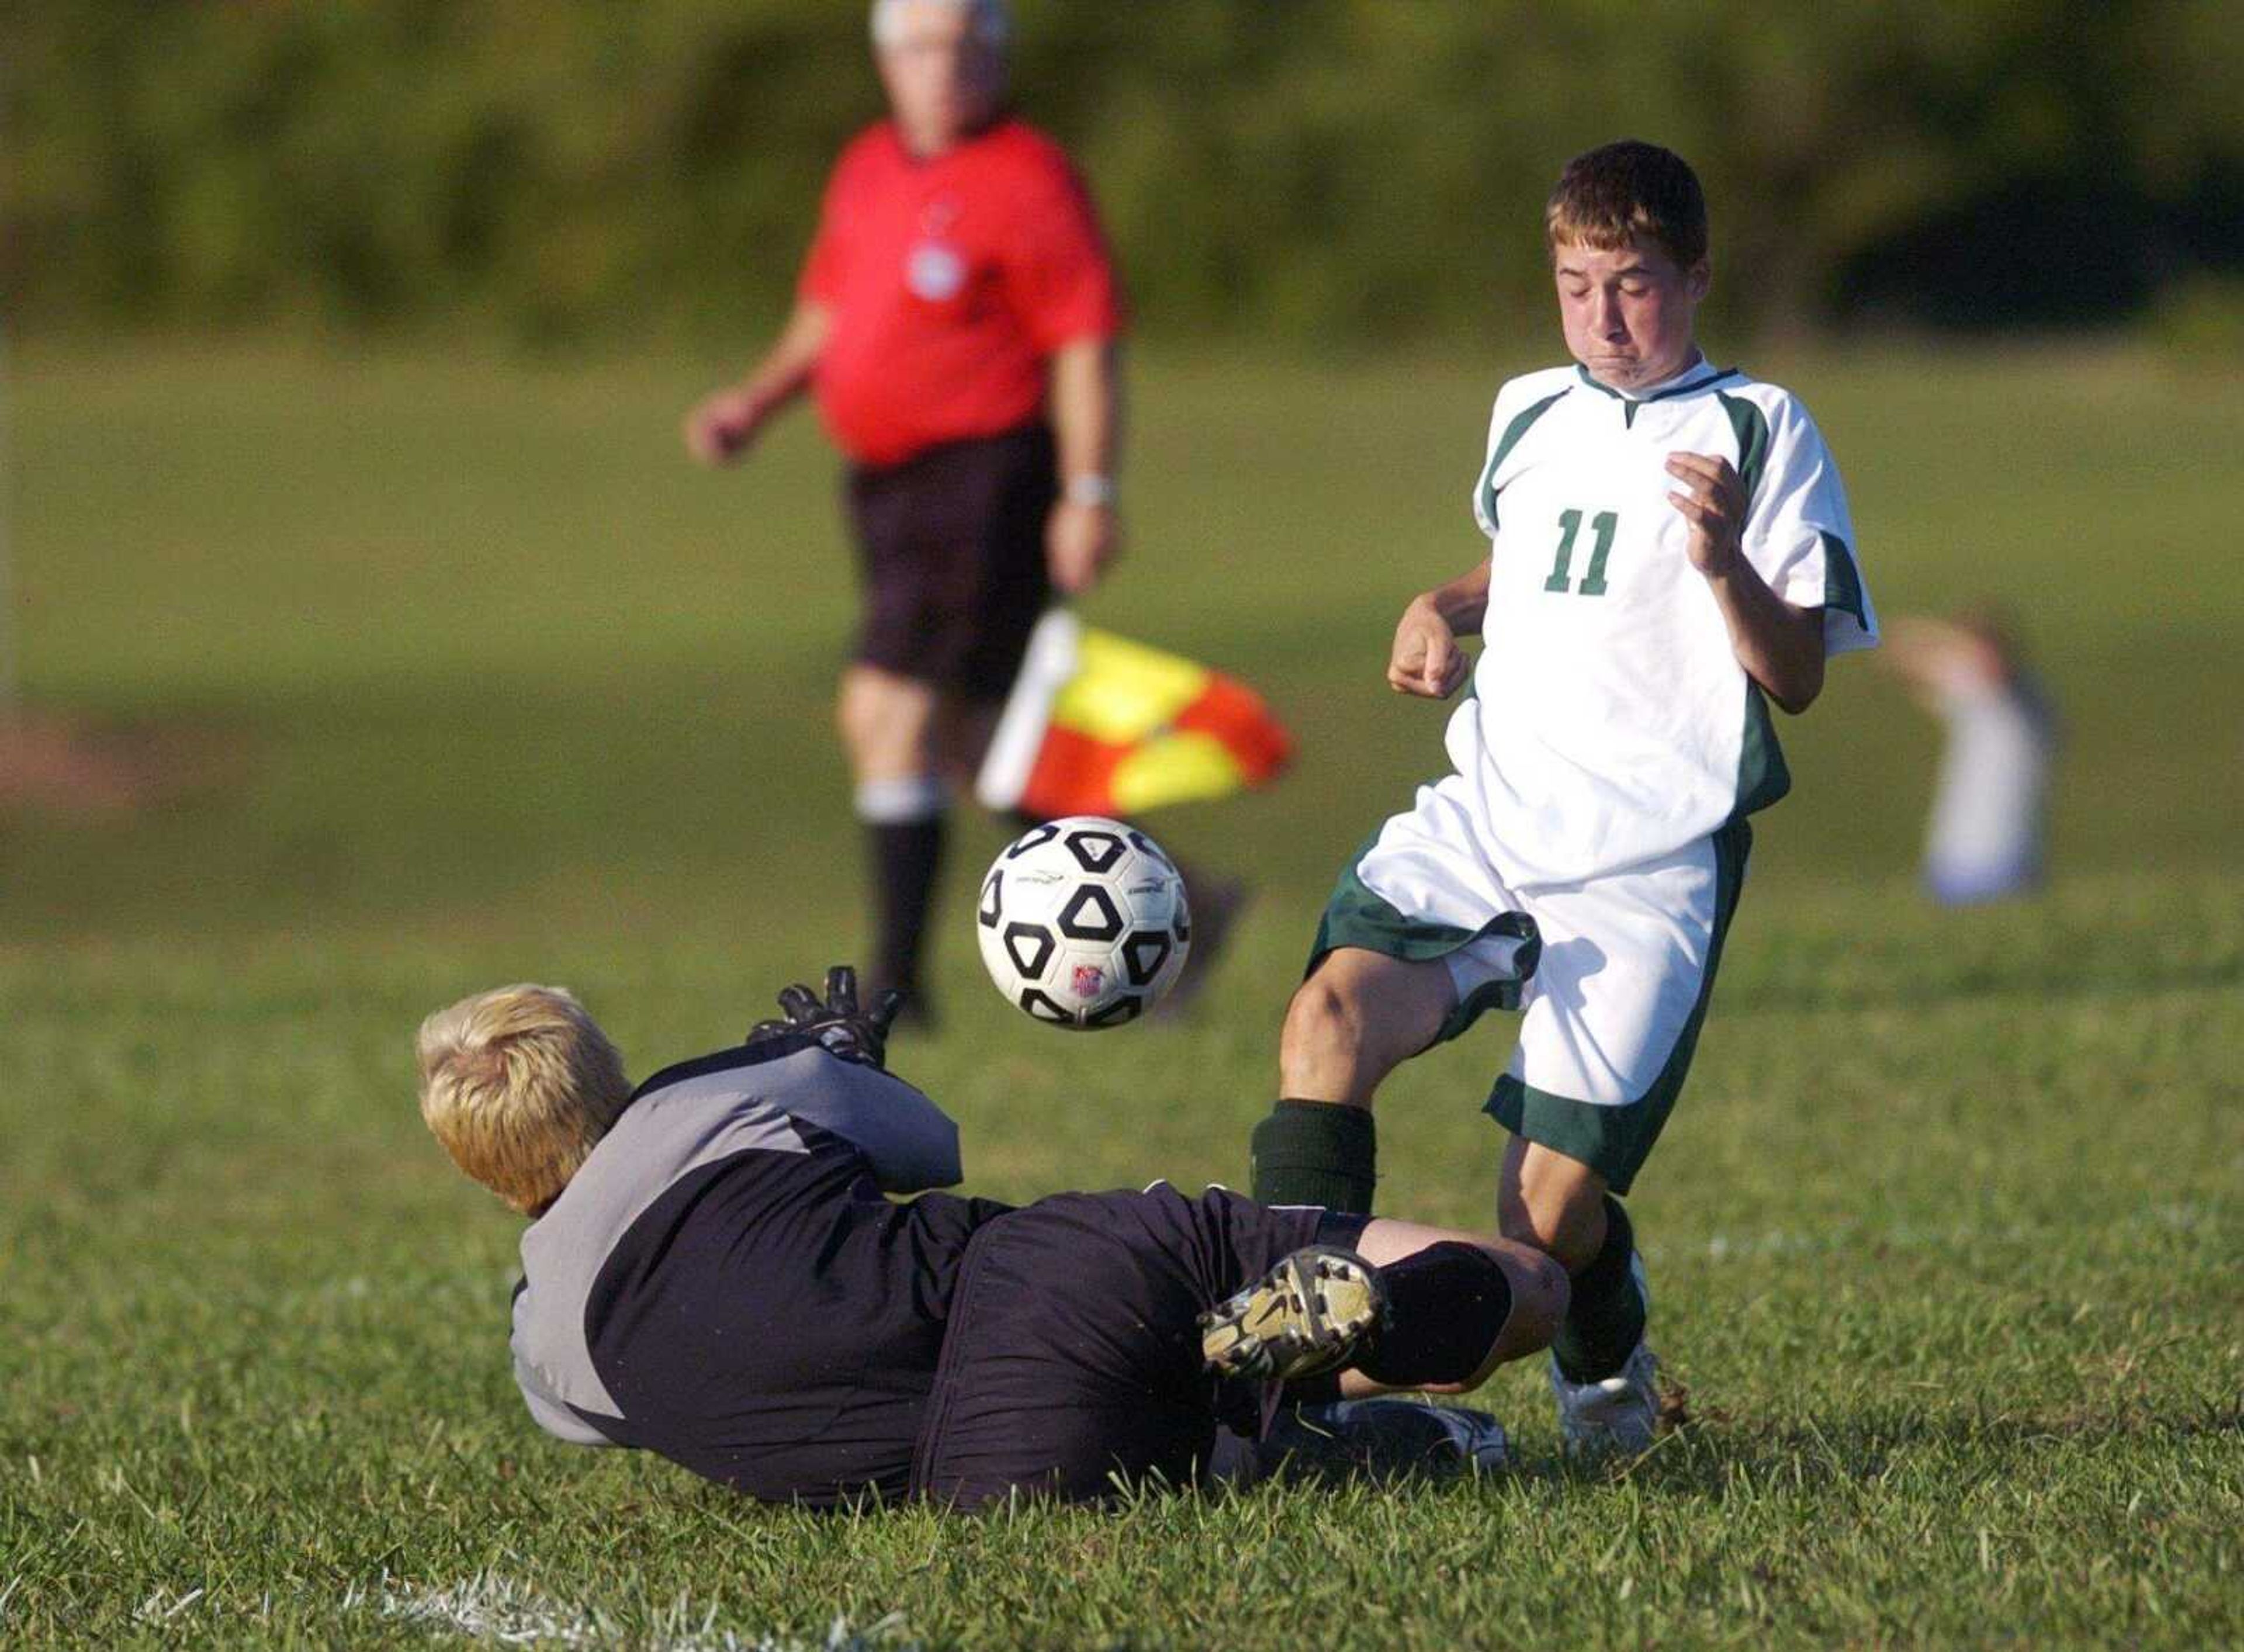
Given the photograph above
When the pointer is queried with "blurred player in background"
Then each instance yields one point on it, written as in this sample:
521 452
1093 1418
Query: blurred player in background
956 318
712 1272
1987 833
1671 550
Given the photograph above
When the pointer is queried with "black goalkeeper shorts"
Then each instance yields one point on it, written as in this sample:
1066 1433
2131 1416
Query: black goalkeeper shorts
951 548
1071 1363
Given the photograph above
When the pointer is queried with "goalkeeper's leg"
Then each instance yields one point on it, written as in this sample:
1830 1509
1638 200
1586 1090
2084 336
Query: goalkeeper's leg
1408 1307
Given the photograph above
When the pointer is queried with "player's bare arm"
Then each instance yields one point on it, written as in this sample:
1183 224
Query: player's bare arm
724 425
1426 660
1779 645
1083 534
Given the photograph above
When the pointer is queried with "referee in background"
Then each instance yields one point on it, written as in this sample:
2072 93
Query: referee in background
956 320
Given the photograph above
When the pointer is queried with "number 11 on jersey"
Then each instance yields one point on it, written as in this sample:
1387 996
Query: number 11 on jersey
1593 583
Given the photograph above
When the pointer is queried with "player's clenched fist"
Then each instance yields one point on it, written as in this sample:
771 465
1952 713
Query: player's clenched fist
1426 660
1715 504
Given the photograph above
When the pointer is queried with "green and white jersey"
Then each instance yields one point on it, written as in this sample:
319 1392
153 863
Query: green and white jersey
1610 722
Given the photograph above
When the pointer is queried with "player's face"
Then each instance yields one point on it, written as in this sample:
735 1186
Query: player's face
1628 311
943 80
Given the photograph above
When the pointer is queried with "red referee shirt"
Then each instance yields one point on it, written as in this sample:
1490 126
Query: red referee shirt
950 281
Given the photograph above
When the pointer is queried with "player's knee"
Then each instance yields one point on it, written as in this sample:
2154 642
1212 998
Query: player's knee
1324 1025
1317 1014
1540 1291
856 717
883 725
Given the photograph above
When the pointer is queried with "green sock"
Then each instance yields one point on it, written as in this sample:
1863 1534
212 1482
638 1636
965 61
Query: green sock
1605 1320
1316 1153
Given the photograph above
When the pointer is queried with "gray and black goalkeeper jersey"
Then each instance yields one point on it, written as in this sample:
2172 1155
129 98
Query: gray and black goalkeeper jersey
723 1282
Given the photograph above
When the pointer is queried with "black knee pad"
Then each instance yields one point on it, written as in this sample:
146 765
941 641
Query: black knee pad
1446 1307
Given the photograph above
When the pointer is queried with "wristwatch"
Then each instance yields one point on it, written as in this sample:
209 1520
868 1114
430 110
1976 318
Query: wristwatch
1089 488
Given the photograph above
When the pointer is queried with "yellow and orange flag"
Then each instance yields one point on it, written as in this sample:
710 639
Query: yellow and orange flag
1098 724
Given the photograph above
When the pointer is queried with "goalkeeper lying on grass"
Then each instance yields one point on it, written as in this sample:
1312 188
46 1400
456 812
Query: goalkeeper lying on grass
713 1273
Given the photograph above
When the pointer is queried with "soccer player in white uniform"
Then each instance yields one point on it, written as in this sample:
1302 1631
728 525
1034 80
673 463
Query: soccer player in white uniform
1671 550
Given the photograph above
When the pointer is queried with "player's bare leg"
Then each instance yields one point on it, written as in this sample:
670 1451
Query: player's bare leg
1359 1016
888 724
1550 1202
1601 1372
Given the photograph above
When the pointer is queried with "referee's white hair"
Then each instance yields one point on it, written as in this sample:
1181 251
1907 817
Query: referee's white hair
991 24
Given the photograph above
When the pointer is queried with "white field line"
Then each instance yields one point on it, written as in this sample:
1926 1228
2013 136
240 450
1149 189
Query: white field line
163 1605
488 1607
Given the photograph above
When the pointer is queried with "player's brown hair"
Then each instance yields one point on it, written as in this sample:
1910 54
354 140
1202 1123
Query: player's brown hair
1618 192
519 1085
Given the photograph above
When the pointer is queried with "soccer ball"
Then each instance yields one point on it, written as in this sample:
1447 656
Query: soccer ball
1084 923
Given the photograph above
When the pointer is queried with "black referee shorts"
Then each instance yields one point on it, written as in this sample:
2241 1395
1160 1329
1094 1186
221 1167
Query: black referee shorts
951 553
1072 1359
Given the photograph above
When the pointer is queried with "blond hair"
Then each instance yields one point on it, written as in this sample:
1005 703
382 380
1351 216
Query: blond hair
519 1085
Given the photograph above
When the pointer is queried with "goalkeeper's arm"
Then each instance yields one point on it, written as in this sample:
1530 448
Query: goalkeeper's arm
909 1142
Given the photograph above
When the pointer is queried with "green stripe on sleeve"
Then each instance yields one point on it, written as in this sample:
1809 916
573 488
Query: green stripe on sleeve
1751 427
1512 433
1843 580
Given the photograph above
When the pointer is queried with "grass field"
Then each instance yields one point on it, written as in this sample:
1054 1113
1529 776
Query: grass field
482 682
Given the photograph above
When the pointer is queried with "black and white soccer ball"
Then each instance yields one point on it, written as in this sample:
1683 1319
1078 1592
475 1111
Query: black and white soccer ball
1084 923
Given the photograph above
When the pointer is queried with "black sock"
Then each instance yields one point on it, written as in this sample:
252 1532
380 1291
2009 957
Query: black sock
1605 1321
1315 1152
907 855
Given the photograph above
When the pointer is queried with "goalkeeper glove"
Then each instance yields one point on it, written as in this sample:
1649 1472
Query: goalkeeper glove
841 1027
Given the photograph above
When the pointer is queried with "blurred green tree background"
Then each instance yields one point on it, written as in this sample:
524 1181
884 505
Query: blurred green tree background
1313 172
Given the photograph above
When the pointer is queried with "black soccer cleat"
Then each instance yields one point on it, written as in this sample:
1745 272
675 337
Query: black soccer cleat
1314 1312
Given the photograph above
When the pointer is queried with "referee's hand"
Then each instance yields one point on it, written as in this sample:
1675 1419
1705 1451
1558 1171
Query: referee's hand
721 427
1080 540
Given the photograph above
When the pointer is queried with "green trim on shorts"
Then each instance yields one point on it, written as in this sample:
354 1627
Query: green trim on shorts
1353 916
1615 1140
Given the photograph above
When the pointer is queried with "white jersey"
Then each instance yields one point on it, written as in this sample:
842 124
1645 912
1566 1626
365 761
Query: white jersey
1611 723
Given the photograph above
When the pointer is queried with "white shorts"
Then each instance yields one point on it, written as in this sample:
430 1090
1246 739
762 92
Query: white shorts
1623 959
1611 1008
